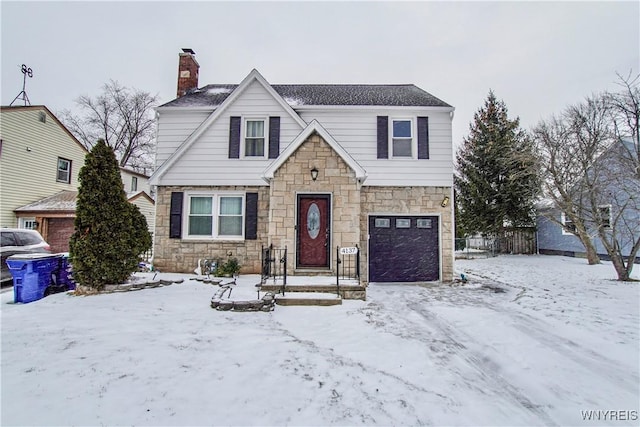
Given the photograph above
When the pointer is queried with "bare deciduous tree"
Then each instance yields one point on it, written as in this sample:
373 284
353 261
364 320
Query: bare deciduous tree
590 173
122 117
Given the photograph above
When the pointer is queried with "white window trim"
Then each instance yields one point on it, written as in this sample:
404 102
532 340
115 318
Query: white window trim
215 209
23 222
68 181
563 220
414 138
134 183
243 132
605 206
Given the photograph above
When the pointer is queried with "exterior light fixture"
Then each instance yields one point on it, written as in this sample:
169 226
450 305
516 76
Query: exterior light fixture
445 202
314 173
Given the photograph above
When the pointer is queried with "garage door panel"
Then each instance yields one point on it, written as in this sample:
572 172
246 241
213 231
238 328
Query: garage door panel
59 233
398 254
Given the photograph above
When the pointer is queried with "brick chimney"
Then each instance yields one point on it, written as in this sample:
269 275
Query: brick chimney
187 71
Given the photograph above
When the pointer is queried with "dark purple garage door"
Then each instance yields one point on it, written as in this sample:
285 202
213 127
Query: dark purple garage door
404 249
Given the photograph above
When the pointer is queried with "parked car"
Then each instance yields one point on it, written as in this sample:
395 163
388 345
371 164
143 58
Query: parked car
19 241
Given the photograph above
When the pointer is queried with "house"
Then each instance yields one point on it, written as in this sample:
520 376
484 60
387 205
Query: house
39 157
617 202
312 168
40 161
138 190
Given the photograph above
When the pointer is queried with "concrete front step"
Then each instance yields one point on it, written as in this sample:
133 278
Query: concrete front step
308 298
346 291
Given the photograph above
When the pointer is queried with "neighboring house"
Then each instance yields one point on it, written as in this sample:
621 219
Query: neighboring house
306 167
39 157
556 237
138 190
40 161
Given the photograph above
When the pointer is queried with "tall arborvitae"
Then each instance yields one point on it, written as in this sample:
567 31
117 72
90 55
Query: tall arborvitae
496 180
109 234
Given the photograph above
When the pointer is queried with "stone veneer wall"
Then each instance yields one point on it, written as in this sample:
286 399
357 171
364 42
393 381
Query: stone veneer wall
414 201
335 177
180 255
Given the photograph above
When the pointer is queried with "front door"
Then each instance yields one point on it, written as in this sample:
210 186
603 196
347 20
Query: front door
313 230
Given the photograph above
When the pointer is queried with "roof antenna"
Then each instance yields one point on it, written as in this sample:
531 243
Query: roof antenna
27 71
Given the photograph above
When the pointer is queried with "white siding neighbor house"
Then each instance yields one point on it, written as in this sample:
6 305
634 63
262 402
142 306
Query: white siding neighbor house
39 164
313 168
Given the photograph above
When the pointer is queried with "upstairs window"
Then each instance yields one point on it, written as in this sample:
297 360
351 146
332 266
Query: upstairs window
254 138
402 138
134 183
64 170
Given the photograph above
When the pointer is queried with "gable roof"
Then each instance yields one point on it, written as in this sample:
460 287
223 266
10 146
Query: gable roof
405 95
314 127
10 109
254 75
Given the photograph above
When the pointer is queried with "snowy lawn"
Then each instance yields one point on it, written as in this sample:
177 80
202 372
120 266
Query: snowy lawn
529 340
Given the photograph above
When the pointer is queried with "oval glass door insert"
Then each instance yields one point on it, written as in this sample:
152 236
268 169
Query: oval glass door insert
313 221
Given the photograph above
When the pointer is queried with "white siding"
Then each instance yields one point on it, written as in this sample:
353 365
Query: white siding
206 162
143 183
174 127
356 131
29 159
148 209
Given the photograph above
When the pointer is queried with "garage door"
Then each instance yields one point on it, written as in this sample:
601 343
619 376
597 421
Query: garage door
404 249
59 233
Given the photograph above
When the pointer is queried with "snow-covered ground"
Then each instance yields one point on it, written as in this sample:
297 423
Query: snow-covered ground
529 340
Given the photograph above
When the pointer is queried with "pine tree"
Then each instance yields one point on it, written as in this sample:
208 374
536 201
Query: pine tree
110 233
496 179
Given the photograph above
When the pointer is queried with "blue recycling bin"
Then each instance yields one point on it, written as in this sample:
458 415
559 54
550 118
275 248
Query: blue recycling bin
63 274
32 275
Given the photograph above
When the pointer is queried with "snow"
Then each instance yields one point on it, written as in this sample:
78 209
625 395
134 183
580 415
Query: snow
529 340
294 102
218 90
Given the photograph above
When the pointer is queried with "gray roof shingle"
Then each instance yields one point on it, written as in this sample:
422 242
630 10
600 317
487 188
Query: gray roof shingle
407 95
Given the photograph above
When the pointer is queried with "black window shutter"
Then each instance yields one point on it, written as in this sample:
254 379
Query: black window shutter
274 137
383 137
234 137
175 218
423 137
251 217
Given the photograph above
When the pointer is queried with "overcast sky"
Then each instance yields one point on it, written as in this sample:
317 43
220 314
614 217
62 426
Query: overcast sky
537 56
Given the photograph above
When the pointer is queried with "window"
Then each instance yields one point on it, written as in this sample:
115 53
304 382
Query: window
382 223
134 183
568 226
215 216
423 223
254 138
403 223
230 218
42 117
28 223
605 215
64 170
402 138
